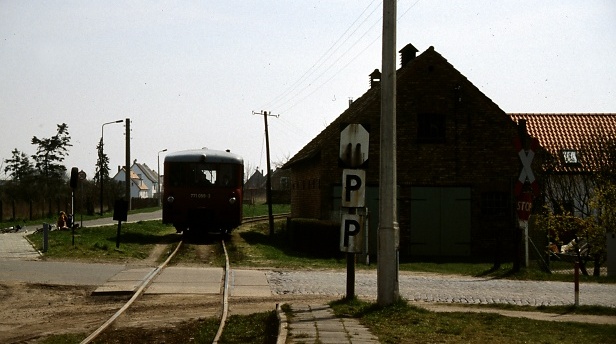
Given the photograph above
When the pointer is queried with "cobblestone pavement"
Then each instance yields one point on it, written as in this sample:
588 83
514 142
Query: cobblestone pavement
447 289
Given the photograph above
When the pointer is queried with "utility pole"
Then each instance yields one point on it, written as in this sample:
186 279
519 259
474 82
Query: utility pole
388 234
268 182
127 167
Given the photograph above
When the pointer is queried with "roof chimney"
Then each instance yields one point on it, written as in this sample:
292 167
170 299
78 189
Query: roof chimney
407 54
522 129
375 78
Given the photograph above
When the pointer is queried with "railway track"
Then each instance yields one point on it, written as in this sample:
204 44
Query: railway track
147 281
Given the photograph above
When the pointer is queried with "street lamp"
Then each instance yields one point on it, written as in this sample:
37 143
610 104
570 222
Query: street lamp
100 159
158 172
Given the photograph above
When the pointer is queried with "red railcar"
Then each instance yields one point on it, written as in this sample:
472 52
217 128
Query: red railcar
203 191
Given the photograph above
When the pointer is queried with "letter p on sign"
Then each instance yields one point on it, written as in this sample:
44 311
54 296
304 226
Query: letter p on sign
351 237
353 188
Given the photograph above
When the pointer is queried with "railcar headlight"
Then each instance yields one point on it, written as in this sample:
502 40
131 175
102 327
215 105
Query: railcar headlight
170 199
232 200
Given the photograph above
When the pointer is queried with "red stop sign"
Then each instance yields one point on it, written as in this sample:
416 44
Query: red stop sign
525 204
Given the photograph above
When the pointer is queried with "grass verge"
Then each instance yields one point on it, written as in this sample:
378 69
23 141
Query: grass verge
403 323
136 241
257 328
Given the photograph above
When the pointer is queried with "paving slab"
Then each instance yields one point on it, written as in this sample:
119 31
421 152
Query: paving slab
124 282
187 280
15 246
318 324
248 283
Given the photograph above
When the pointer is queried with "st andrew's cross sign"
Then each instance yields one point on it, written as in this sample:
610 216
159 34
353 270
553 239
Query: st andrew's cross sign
526 175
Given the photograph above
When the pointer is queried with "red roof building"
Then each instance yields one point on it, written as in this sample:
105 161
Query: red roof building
574 140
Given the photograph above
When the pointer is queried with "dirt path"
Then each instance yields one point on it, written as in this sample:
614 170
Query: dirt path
30 313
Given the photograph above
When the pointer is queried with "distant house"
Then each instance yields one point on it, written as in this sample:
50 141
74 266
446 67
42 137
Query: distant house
144 181
255 181
150 177
575 146
255 187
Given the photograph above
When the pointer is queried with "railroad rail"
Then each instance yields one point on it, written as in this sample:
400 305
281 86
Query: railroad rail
150 277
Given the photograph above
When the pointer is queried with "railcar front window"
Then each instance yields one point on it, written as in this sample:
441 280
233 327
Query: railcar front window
203 175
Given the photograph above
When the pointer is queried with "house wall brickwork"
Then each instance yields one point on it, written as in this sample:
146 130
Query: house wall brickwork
306 191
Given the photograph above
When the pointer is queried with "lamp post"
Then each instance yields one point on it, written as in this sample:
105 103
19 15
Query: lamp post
100 160
158 172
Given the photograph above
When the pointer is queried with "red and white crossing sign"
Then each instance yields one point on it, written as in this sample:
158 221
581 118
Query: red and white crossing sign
354 141
527 173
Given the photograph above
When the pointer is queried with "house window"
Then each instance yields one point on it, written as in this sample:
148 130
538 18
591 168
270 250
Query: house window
570 156
431 128
495 204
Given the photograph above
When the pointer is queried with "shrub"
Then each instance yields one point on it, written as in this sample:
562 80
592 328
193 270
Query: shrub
314 237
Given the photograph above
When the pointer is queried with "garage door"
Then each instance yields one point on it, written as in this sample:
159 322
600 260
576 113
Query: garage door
440 221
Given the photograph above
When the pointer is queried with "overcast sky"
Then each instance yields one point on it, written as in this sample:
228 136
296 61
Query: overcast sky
189 74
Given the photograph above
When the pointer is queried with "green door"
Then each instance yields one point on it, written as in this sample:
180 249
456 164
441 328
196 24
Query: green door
440 221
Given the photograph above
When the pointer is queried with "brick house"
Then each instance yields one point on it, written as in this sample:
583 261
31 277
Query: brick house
455 158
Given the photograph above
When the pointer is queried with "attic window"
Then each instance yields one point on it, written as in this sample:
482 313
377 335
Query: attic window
570 156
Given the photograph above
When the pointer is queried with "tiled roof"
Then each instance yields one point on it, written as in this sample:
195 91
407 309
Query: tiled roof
571 131
147 171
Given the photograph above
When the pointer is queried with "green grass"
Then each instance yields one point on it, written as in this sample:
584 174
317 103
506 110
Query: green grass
254 328
562 310
253 247
136 240
252 210
99 243
402 323
257 328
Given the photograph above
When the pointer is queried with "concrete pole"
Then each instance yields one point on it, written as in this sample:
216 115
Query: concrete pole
388 233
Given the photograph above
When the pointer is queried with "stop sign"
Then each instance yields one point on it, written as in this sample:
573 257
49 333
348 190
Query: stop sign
525 204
